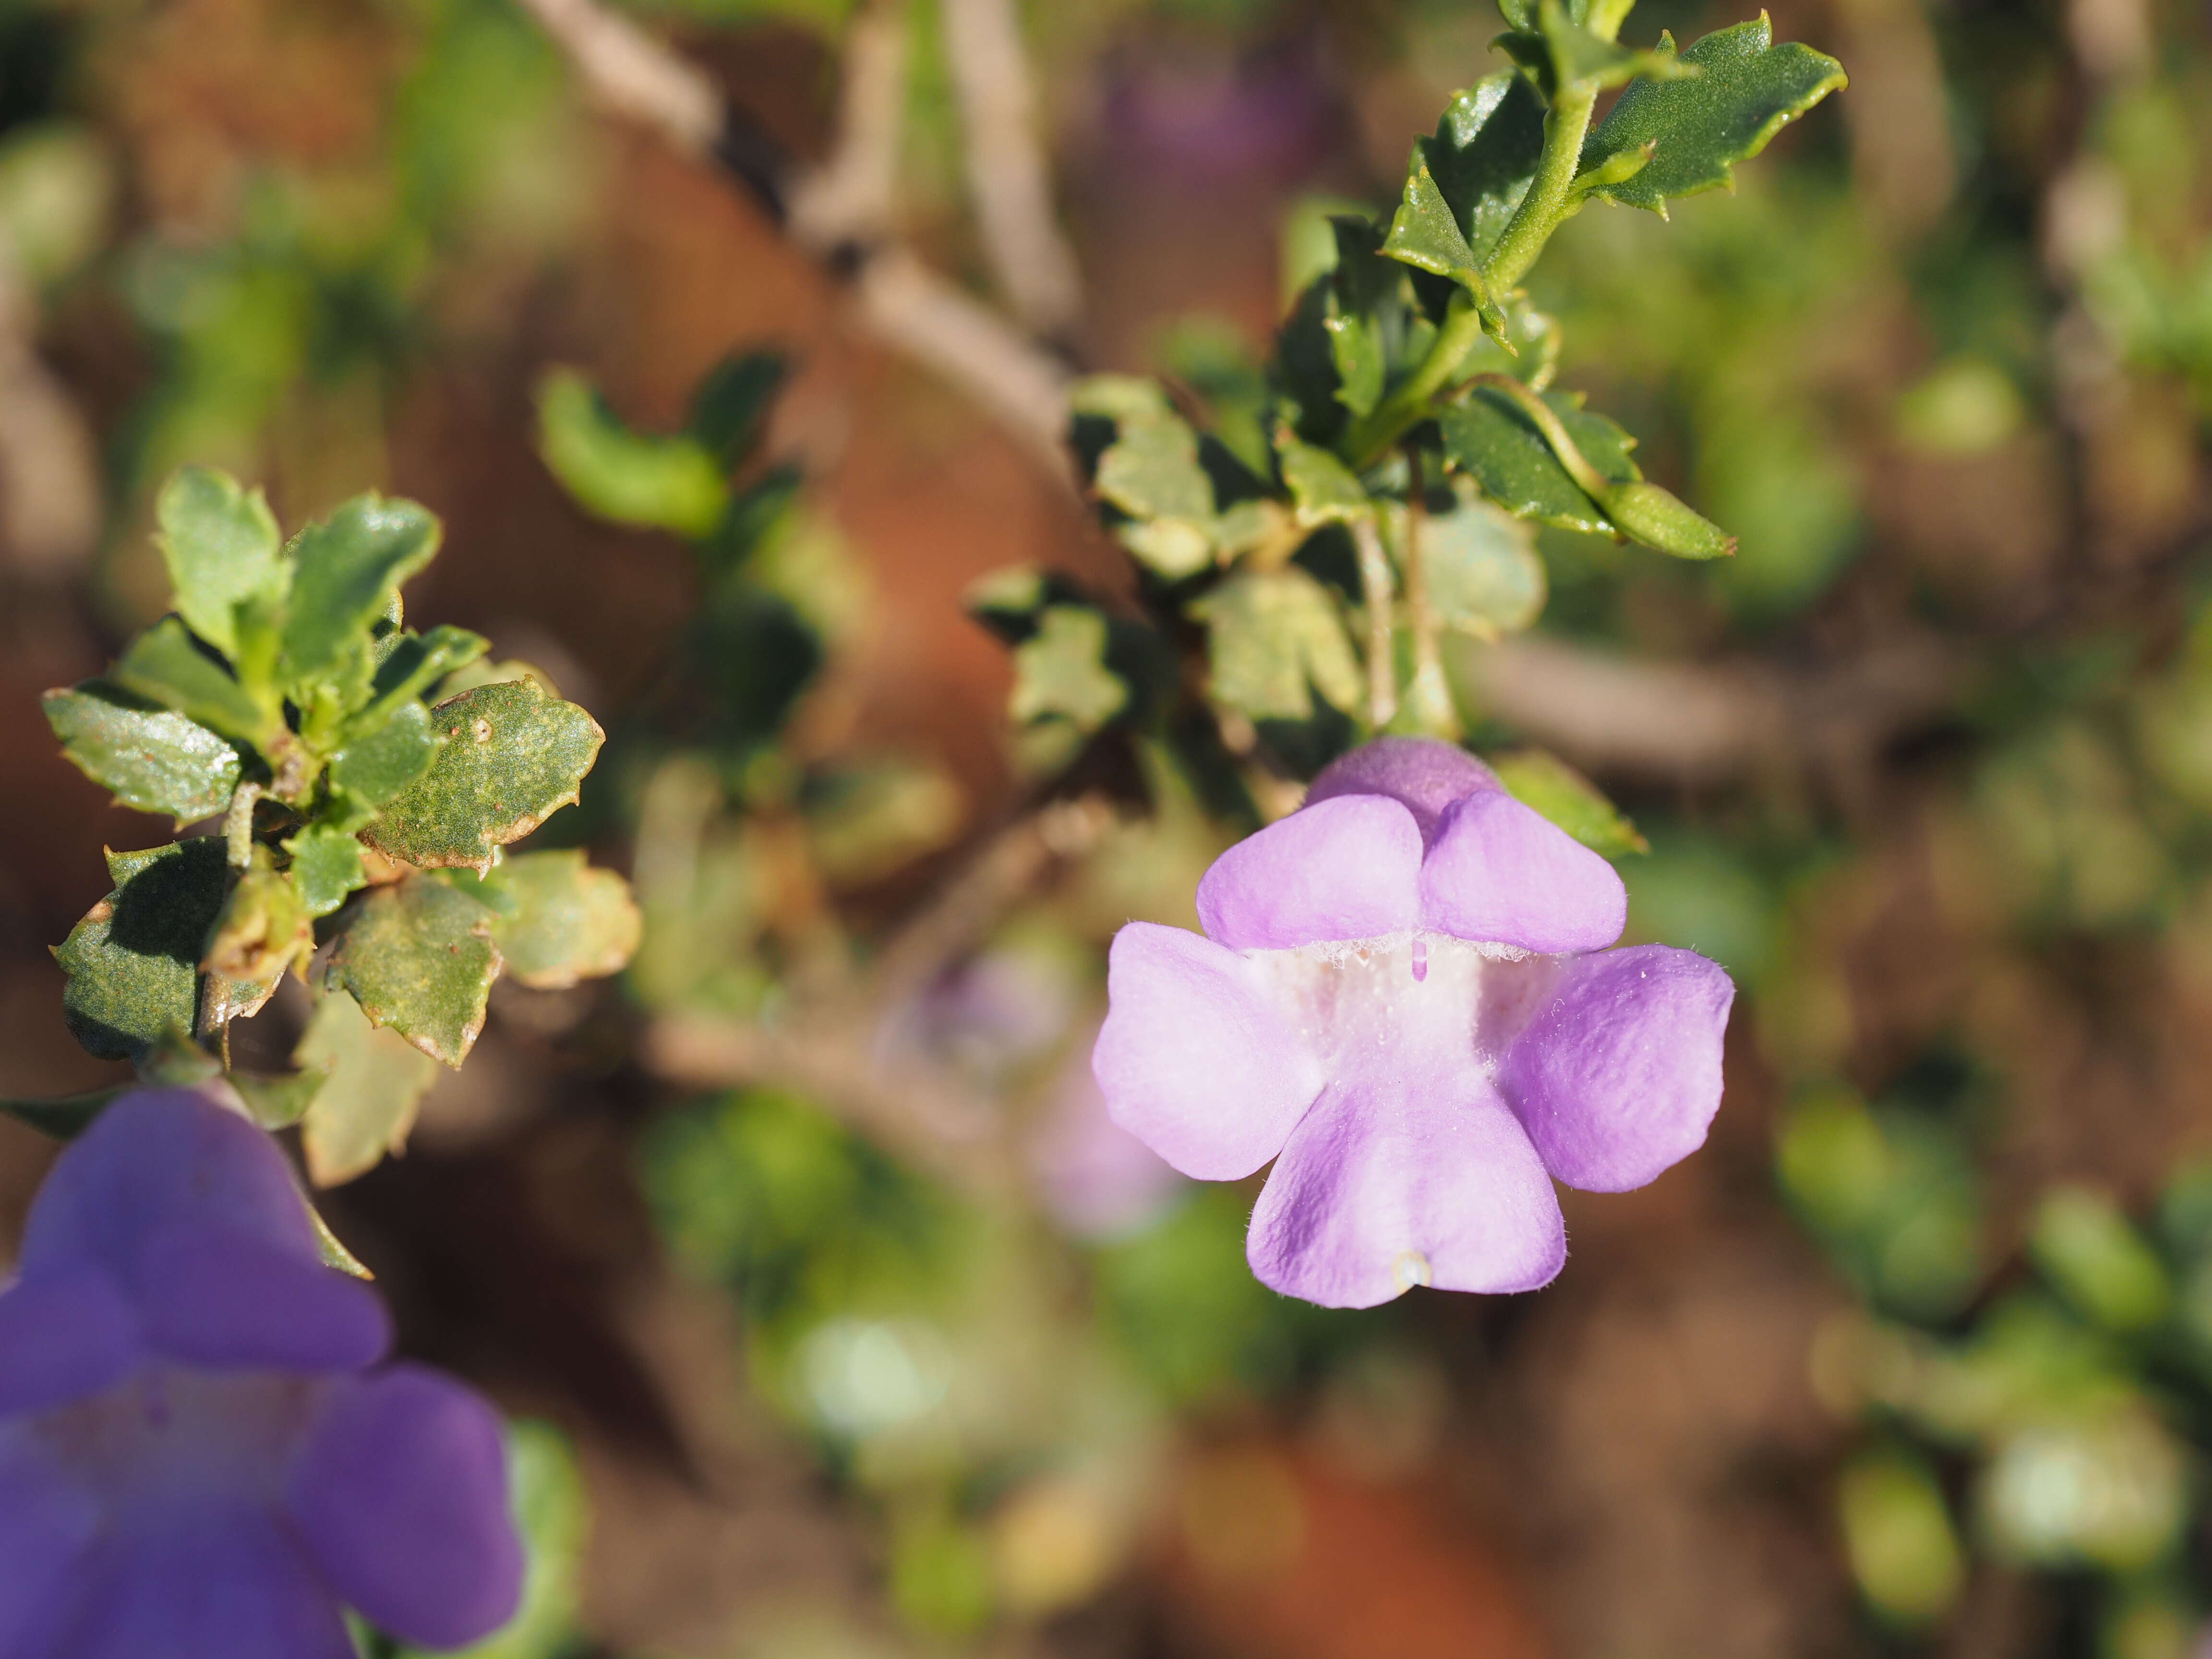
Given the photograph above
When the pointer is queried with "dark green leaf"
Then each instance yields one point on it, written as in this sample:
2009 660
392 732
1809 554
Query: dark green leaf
727 407
512 755
326 865
418 957
1499 447
346 570
558 919
1484 155
1362 362
1483 574
1544 781
416 663
165 665
148 756
134 962
63 1117
1272 638
672 483
377 764
1562 51
222 547
1749 90
366 1086
1061 670
1426 233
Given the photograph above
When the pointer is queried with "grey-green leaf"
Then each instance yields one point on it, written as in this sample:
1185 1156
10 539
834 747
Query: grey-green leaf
1749 89
1151 472
220 545
149 757
1500 449
1061 670
418 957
345 570
325 867
134 962
1272 638
165 665
511 756
368 1086
557 920
379 764
1323 490
1483 574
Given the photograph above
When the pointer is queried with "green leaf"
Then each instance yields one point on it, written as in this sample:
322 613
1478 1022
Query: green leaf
1749 89
1496 446
673 483
1484 154
367 1086
346 571
148 756
279 1102
556 918
1426 233
1362 361
220 545
1272 638
512 755
379 764
1323 490
416 663
418 957
1562 52
166 666
1483 574
325 867
1658 517
1151 472
1060 672
1542 781
728 406
134 962
63 1117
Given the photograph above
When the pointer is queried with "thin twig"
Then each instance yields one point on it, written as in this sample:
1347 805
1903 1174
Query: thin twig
1375 588
50 506
1432 692
850 199
1006 172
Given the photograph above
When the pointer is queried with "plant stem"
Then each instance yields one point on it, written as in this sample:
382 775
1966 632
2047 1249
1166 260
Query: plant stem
238 825
1432 692
1373 437
1375 587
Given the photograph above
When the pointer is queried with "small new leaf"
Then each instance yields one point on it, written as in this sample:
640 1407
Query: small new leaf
511 756
1749 90
368 1086
1272 638
1426 233
263 930
1060 672
166 666
346 571
418 957
148 756
220 545
325 867
133 962
416 663
556 919
1659 519
379 764
1542 781
673 483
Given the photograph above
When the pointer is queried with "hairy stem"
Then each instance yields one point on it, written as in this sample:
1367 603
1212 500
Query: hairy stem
1375 588
1432 692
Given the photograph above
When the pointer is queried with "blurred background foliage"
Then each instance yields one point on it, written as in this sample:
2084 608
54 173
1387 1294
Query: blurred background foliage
841 1321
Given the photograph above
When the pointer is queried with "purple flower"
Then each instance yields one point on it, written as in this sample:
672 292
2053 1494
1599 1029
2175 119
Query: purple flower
1403 997
196 1460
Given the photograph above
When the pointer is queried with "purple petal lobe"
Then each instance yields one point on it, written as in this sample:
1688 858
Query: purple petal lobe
401 1493
1381 1189
64 1333
159 1158
46 1519
1504 874
198 1582
1421 775
1196 1060
1618 1075
230 1301
1348 868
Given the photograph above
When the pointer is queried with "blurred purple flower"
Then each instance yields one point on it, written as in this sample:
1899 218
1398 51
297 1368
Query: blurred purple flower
1403 997
1098 1180
196 1460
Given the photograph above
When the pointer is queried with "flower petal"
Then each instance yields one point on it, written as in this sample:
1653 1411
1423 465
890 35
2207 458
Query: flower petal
64 1333
228 1300
1618 1075
1420 773
1502 874
198 1582
1195 1058
1380 1190
1348 868
401 1493
158 1157
45 1520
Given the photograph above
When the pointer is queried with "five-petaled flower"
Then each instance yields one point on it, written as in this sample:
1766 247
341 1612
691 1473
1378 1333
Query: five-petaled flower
1403 996
197 1459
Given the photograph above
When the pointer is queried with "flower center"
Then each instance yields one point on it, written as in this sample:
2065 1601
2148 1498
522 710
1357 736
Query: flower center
168 1432
1410 1000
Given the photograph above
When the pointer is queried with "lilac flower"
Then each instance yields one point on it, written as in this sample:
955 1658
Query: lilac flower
196 1460
1403 997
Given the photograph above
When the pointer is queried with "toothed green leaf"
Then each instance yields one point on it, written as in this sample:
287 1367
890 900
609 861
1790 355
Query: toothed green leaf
1273 638
220 545
148 756
418 957
1500 449
134 962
